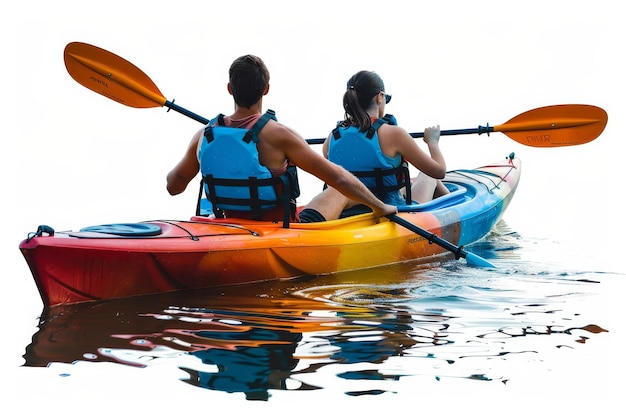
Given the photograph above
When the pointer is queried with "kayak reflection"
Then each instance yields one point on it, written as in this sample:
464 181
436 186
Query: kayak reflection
245 339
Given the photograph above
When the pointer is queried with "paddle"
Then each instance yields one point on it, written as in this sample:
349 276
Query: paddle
459 252
114 77
544 127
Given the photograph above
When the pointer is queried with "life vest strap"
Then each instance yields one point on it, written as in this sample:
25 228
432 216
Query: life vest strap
285 185
402 175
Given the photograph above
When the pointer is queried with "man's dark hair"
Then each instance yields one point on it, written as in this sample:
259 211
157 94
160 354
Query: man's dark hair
248 77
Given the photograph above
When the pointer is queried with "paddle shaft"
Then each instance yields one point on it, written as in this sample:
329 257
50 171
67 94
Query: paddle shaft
479 130
170 105
458 251
534 133
520 132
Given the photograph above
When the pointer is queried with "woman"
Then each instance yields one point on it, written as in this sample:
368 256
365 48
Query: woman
367 140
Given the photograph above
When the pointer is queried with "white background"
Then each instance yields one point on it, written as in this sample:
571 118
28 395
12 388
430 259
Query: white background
72 158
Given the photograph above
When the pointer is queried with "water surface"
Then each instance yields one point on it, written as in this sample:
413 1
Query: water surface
395 333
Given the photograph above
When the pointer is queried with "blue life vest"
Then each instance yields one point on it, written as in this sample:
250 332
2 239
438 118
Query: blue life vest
359 152
233 177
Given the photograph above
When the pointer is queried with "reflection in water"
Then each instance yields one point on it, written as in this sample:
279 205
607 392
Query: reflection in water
245 367
372 329
249 344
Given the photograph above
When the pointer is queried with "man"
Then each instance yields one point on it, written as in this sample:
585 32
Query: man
277 147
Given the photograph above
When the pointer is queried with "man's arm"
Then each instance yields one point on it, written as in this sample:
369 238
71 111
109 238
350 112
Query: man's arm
186 169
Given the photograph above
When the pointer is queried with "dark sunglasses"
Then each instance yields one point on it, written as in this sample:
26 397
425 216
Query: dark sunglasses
387 97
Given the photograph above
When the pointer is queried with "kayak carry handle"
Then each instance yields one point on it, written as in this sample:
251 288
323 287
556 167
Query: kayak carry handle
40 231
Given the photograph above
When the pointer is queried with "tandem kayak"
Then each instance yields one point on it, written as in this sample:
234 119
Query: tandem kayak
124 260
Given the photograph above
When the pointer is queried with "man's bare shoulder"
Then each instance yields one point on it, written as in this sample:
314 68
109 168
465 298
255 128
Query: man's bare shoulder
279 133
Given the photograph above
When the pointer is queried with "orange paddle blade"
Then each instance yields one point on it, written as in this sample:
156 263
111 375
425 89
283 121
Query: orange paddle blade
552 126
112 76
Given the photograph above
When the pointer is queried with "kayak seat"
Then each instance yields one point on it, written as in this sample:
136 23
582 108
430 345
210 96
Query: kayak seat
457 194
